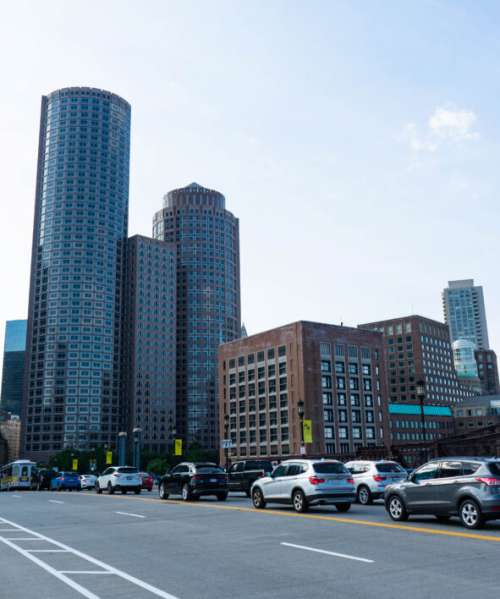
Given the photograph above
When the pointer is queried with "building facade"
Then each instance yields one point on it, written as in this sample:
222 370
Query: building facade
10 431
477 413
208 301
14 354
149 341
487 368
337 372
464 312
465 364
71 396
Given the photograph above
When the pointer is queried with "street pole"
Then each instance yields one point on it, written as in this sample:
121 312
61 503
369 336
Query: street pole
137 447
226 433
300 410
122 446
420 388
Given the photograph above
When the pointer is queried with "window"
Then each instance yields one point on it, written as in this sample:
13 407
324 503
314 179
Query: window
353 384
325 349
250 358
368 401
353 352
270 354
341 399
327 398
353 369
450 469
282 351
326 382
328 415
366 369
326 366
340 382
279 471
328 432
260 356
427 472
339 367
343 432
340 351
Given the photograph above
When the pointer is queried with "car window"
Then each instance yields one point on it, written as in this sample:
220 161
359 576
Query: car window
494 468
329 468
238 467
279 471
209 469
450 469
358 468
127 470
427 472
389 467
294 470
179 469
469 468
258 465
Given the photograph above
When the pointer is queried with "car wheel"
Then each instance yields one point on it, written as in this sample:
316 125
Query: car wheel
222 496
397 509
163 491
364 495
137 491
299 501
258 499
470 514
110 489
98 489
343 507
186 493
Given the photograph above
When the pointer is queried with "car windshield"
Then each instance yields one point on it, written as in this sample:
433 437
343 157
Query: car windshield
259 465
209 469
128 470
330 468
390 468
494 468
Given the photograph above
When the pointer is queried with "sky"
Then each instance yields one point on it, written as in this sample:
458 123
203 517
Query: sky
358 142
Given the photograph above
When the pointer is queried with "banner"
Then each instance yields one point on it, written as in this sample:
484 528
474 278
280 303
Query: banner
109 457
178 447
308 433
75 464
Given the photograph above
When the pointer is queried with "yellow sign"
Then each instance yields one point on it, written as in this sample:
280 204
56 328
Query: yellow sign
178 447
308 432
109 457
75 464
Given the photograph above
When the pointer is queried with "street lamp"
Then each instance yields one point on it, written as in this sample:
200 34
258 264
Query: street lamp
136 435
226 435
300 411
420 389
122 445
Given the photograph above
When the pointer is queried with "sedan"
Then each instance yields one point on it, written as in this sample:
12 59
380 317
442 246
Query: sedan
66 481
147 481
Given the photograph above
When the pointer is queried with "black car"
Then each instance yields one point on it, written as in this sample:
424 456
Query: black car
44 479
193 480
243 474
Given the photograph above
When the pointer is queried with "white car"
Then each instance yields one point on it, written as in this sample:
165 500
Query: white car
372 477
119 479
87 481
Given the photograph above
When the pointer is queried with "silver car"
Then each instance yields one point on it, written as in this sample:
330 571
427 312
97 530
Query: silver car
303 483
372 477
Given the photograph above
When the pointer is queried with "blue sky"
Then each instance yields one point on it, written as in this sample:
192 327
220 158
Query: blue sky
358 142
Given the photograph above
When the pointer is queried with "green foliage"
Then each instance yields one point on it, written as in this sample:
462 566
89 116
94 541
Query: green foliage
158 465
64 460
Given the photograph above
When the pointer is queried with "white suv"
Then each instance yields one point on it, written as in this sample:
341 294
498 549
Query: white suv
372 477
119 478
302 483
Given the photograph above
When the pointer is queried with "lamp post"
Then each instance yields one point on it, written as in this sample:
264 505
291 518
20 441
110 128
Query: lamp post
300 411
122 445
420 389
226 433
136 435
173 434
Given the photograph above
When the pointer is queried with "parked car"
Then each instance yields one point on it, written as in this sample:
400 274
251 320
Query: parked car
465 487
372 477
88 481
303 483
242 475
44 479
65 481
147 481
193 480
119 479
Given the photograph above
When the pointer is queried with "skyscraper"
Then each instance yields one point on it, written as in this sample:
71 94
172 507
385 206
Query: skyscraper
464 312
13 366
77 268
208 300
149 341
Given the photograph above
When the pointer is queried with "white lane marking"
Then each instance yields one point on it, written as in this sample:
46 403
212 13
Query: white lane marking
55 501
46 550
22 538
344 555
129 514
17 496
84 572
82 590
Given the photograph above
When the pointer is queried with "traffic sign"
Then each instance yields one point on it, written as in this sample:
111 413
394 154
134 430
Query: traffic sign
226 444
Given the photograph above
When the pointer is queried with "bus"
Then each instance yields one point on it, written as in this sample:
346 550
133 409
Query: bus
17 475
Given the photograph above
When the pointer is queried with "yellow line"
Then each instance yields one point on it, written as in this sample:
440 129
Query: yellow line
409 528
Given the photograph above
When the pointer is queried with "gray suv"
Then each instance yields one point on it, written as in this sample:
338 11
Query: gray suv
372 477
465 487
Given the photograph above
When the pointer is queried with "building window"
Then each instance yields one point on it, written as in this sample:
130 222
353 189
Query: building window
341 399
326 382
343 432
339 367
327 398
353 369
326 366
325 349
282 351
328 415
328 432
340 351
340 382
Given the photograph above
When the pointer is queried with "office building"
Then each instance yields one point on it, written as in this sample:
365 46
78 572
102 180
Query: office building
335 373
149 341
464 312
465 364
77 271
477 413
208 301
487 367
10 431
13 366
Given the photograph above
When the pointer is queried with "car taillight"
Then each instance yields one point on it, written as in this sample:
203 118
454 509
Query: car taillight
196 477
350 481
314 480
377 478
488 480
115 474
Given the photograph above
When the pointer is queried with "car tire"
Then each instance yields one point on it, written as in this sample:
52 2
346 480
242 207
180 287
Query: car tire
343 507
221 496
186 493
162 491
98 489
470 514
299 501
258 500
364 495
397 509
137 491
110 489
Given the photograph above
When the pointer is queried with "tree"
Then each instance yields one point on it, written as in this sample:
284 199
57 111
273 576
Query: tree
158 466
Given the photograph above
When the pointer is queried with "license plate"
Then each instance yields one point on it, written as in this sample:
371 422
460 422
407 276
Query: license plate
129 478
213 480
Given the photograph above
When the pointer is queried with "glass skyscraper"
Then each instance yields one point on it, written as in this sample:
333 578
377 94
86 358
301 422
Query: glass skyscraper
13 366
78 258
208 301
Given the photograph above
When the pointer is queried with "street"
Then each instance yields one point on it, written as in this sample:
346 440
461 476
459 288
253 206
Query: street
65 545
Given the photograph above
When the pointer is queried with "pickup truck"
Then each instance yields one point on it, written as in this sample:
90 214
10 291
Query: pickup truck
241 475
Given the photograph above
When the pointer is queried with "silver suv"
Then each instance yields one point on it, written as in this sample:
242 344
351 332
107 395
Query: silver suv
303 483
372 477
465 487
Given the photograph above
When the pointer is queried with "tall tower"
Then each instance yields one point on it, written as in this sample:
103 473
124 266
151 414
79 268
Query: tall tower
72 376
464 312
11 398
208 301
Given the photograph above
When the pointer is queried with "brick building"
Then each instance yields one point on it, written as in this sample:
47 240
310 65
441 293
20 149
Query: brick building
337 372
487 368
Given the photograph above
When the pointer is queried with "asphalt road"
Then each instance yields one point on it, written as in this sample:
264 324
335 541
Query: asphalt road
65 545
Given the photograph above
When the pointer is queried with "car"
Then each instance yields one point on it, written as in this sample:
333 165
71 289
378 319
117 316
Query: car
65 481
44 479
147 481
304 483
372 477
88 481
193 480
243 474
465 487
120 479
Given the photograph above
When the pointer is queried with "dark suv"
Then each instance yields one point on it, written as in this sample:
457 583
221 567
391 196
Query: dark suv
243 474
465 487
192 480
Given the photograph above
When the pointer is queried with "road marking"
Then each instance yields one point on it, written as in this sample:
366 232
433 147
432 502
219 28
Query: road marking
17 496
407 528
55 501
46 550
128 514
84 572
63 577
22 538
344 555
